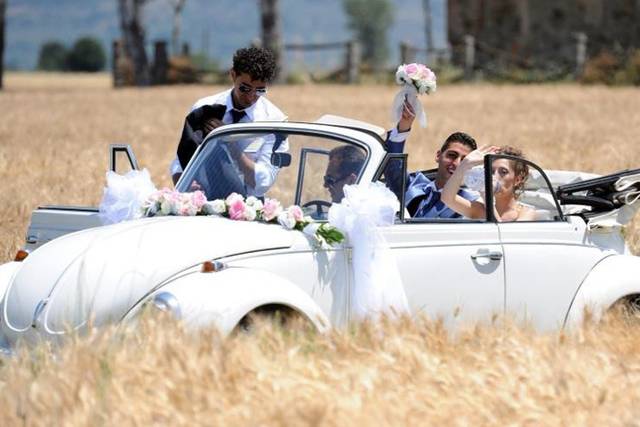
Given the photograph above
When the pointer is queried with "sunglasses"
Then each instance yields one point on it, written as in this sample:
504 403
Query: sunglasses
330 181
245 88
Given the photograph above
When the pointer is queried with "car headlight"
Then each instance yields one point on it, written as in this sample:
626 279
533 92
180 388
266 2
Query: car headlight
168 303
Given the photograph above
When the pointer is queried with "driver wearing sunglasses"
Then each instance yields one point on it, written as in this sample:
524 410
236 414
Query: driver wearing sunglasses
253 68
345 165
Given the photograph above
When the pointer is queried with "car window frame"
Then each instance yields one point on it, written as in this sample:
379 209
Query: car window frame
488 183
301 168
239 128
380 171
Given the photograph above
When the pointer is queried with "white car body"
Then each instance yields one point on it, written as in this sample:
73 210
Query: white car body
80 272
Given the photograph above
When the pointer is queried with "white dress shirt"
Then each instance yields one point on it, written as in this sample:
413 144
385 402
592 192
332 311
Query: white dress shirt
262 110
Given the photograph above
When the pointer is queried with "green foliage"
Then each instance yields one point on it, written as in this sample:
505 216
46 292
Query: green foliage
370 21
87 54
612 69
52 56
205 64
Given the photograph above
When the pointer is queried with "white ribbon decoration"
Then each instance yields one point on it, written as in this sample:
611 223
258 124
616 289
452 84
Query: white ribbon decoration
411 93
123 196
377 285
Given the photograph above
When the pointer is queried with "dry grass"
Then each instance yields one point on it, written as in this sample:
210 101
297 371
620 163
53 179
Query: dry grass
403 373
54 133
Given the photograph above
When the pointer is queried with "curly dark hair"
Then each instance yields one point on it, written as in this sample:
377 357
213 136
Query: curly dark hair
462 138
257 62
521 169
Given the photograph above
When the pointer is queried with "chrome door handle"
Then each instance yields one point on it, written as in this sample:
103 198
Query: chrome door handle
494 256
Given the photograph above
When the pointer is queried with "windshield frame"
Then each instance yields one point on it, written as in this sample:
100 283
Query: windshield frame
216 135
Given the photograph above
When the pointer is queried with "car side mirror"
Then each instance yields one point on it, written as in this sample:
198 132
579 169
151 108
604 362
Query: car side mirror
280 160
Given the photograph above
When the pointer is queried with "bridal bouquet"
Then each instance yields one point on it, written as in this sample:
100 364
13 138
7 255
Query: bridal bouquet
416 79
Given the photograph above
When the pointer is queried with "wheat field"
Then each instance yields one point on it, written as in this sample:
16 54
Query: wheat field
54 134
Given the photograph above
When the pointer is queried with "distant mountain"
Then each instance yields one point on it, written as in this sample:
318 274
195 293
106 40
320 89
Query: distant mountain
218 27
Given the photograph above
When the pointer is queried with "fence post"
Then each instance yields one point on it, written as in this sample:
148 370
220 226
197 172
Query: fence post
581 53
119 64
115 57
406 54
469 56
352 61
160 68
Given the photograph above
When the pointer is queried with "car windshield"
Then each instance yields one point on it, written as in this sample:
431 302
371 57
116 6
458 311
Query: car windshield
294 168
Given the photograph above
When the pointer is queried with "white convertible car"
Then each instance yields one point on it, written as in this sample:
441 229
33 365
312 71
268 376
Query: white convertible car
208 270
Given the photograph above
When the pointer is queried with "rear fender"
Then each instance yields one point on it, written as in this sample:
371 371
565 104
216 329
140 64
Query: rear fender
613 278
223 298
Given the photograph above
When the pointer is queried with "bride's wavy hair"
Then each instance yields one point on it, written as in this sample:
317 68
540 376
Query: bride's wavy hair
521 169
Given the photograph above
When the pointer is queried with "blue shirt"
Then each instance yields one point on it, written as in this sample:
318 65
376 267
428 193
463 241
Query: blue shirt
422 197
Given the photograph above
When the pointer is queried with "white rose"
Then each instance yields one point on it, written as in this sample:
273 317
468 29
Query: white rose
254 202
215 207
401 75
249 213
286 220
165 208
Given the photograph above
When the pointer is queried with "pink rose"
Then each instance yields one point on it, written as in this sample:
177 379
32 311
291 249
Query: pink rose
296 213
173 197
411 68
271 209
236 209
232 198
198 199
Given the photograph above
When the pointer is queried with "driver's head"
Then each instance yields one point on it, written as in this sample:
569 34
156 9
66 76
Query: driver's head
344 167
453 151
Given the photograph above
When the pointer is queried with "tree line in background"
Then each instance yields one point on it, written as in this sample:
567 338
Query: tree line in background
86 54
593 41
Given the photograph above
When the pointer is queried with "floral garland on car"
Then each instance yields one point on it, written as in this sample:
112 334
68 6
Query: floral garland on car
169 202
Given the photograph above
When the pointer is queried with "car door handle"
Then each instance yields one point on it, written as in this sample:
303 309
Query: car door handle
494 256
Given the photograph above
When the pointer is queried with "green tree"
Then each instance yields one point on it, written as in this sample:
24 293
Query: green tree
52 56
87 54
370 21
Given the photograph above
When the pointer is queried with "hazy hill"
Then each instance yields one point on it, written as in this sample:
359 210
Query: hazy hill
217 26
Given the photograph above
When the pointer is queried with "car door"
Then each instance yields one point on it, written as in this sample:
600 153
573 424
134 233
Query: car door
451 269
545 259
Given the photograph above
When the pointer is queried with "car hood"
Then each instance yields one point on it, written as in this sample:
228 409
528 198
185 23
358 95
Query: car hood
102 272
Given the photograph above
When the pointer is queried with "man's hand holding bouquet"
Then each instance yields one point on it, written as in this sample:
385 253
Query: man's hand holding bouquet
415 79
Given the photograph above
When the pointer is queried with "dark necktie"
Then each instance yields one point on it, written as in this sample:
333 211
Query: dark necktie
237 115
432 198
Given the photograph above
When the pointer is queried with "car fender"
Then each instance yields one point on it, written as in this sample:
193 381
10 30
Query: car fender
223 298
613 278
7 272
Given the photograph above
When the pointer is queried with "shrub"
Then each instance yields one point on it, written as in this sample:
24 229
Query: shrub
601 69
87 54
52 56
632 68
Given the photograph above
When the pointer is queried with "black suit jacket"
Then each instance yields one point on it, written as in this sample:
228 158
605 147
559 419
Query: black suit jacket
193 130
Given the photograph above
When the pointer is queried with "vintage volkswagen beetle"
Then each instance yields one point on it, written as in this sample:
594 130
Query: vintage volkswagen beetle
546 271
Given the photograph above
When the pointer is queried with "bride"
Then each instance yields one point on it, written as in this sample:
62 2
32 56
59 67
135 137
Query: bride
510 176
